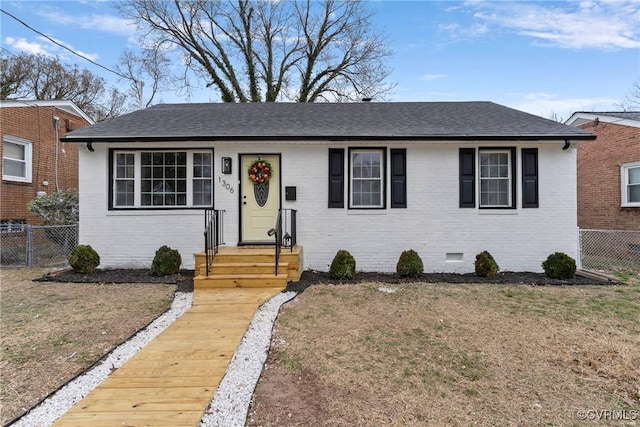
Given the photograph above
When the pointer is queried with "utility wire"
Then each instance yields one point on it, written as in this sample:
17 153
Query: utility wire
67 48
8 51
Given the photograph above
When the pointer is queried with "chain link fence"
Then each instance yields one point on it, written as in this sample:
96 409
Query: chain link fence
37 245
610 250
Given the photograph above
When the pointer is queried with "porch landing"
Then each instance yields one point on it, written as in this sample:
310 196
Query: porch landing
171 381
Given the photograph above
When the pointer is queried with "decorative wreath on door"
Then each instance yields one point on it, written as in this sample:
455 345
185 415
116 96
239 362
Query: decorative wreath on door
260 172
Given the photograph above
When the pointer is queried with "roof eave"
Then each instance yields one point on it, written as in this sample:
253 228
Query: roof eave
147 138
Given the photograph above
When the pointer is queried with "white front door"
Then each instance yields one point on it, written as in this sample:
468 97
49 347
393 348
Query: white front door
260 202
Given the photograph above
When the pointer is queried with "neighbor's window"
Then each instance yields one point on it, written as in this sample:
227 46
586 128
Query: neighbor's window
16 159
367 178
495 178
631 184
150 179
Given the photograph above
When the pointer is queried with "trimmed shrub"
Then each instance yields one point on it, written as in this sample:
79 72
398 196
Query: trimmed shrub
343 266
84 259
167 261
410 264
486 265
559 265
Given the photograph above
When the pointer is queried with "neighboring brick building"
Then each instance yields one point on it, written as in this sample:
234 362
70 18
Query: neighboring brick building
609 170
33 158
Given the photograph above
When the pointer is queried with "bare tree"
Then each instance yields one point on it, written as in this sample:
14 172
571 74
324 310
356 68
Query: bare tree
150 63
261 50
632 100
42 77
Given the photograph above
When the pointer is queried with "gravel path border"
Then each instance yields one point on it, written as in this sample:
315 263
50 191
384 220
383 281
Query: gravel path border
230 403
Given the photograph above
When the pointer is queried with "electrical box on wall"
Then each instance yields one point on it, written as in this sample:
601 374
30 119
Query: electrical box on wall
290 193
226 165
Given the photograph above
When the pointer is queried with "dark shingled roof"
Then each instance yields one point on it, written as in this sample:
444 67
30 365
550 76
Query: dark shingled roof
327 121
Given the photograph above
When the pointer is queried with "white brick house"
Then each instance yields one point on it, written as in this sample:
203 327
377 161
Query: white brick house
447 179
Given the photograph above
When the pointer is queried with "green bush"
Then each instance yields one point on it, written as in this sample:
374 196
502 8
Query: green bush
167 261
84 259
559 266
486 265
343 266
410 264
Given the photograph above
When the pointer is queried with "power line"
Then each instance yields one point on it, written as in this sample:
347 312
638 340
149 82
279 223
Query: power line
65 47
8 51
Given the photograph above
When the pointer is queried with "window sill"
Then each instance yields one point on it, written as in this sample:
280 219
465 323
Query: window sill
372 211
17 179
497 212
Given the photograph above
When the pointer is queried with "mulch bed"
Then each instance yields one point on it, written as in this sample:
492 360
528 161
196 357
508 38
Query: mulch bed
507 277
184 278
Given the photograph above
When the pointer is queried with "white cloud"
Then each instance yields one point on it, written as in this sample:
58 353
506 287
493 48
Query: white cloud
585 25
547 104
97 22
463 32
23 45
429 77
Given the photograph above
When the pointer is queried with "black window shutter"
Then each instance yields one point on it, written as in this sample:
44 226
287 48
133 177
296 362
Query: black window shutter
399 178
467 177
336 178
529 177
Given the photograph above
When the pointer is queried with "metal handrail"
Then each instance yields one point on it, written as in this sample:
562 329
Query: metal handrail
286 217
213 234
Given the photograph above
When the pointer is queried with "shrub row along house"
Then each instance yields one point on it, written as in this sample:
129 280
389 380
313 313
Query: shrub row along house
447 179
33 159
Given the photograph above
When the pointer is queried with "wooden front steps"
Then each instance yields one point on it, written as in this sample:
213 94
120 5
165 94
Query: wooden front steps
251 267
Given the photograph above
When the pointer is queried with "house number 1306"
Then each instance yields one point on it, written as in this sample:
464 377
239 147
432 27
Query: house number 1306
225 185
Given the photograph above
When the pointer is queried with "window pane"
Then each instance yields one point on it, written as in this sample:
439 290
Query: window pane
495 179
14 168
145 158
634 193
634 175
14 151
146 172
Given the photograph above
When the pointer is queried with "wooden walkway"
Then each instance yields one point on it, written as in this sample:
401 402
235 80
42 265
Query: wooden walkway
171 381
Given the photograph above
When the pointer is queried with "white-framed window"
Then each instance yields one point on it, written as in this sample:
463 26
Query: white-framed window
630 174
366 173
495 178
162 178
16 159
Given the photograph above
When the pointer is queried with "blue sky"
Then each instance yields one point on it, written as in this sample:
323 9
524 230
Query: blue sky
541 57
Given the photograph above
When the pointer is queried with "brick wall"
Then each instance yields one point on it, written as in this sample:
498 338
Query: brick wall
433 224
599 181
35 124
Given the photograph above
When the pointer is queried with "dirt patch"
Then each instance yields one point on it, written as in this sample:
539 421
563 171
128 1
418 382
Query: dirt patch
390 353
54 330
